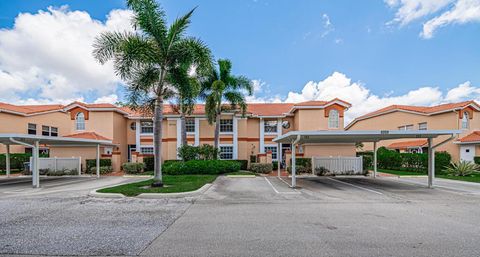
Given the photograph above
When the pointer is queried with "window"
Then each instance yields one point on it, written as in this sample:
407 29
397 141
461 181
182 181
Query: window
45 131
146 150
422 126
32 129
146 127
465 120
80 121
190 125
226 125
333 118
270 126
53 132
406 127
274 151
226 152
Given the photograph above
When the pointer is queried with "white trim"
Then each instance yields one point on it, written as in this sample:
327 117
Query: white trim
235 138
179 136
197 131
272 145
220 145
262 135
137 134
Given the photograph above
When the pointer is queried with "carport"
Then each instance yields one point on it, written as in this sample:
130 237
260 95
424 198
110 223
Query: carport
34 141
317 137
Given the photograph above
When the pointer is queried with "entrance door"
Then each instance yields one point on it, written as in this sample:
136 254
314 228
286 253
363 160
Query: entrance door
467 153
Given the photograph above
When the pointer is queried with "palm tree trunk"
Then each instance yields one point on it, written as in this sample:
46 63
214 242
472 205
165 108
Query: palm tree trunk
183 128
157 142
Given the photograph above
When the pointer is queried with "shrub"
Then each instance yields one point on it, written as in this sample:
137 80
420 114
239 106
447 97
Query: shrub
264 168
253 158
149 163
62 172
299 169
132 168
304 163
461 168
92 163
103 170
204 152
417 162
212 167
275 165
243 164
17 160
476 160
168 162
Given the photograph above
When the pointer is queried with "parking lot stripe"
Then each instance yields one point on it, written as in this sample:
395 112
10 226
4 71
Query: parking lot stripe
359 187
270 183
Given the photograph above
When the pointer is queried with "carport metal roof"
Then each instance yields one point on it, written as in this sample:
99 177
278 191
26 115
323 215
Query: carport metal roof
34 141
361 136
356 136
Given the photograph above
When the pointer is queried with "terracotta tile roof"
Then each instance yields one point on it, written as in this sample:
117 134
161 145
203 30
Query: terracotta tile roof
421 109
472 137
29 109
408 144
311 103
88 135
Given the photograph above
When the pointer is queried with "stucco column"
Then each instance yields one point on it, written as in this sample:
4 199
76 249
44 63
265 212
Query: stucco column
7 160
431 163
262 136
235 138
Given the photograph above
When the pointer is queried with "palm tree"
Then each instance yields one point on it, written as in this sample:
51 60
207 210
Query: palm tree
223 87
150 59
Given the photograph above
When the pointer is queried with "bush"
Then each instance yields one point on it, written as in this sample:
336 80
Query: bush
416 162
16 160
204 152
62 172
92 163
462 168
367 160
275 165
476 159
149 163
212 167
243 163
133 168
168 162
103 170
303 165
264 168
253 158
299 169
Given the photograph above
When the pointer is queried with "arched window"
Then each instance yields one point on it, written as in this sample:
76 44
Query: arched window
465 120
333 119
80 121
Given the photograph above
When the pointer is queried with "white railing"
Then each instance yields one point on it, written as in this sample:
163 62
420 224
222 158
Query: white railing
59 166
340 165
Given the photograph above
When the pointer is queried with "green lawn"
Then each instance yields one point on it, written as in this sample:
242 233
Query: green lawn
172 184
401 172
475 177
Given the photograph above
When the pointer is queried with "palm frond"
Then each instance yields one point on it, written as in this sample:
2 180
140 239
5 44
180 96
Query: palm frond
177 29
225 69
150 18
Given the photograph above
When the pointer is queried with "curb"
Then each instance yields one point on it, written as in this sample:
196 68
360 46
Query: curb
199 191
240 176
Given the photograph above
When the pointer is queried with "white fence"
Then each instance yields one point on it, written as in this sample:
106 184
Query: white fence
340 165
59 166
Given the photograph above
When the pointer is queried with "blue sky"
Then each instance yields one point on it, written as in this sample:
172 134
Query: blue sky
376 47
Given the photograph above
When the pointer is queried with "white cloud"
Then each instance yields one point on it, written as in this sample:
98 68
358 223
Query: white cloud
446 11
327 25
50 53
112 99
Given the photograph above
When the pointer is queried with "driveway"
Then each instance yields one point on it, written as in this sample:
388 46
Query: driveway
326 217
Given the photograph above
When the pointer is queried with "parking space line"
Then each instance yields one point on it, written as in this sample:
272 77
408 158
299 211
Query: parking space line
270 183
359 187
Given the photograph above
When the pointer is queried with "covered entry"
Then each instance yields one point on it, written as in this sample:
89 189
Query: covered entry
35 141
296 138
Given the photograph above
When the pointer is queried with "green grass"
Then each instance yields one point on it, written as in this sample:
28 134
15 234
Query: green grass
475 177
173 184
401 172
242 173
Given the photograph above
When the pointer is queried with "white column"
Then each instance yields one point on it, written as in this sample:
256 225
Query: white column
279 158
375 159
262 136
197 131
235 138
431 163
98 161
137 135
36 160
179 135
7 160
294 172
79 165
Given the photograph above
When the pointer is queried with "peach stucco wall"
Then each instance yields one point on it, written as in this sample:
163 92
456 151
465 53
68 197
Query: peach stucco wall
329 150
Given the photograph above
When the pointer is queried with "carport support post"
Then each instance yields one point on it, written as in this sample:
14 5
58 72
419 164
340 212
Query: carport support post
98 160
7 160
375 159
431 162
294 166
36 166
279 158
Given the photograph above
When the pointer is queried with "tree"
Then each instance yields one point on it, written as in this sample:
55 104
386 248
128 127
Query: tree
223 87
150 59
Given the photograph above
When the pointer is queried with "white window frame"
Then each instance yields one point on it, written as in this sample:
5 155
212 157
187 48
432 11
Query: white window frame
274 125
31 129
406 127
220 151
46 130
80 123
422 126
333 119
192 125
226 132
142 127
465 120
142 147
271 146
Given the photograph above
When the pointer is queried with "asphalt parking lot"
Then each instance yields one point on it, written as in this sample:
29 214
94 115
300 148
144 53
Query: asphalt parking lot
342 216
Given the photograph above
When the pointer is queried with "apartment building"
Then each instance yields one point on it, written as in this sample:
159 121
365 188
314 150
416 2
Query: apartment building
453 116
132 132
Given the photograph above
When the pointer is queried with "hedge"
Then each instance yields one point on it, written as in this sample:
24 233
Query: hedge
212 167
149 163
367 160
476 159
133 167
92 163
16 160
302 165
264 168
243 163
416 162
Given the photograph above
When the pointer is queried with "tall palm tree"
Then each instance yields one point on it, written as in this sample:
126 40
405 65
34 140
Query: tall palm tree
149 60
223 87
